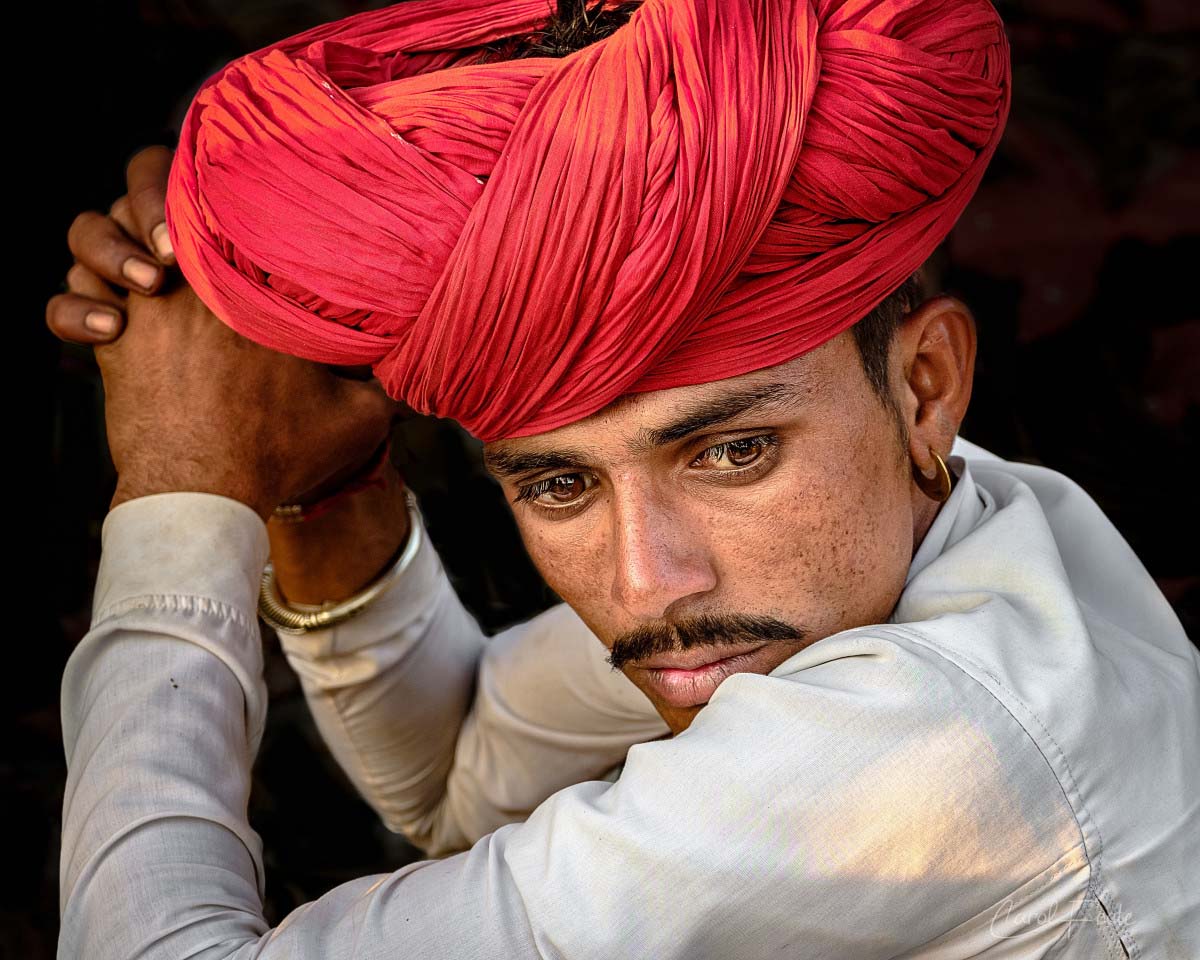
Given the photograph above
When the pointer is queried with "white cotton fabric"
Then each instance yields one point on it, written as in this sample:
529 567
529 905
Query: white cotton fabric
1009 768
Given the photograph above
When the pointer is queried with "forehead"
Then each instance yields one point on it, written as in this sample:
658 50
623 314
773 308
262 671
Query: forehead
638 423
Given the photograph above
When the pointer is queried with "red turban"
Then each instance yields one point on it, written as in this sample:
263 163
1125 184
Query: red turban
717 187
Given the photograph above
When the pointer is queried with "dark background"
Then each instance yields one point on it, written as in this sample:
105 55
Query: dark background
1079 256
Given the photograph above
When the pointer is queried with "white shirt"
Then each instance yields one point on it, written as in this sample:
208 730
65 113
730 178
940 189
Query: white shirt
1010 767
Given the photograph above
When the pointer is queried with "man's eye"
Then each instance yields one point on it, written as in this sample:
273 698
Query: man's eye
557 491
735 454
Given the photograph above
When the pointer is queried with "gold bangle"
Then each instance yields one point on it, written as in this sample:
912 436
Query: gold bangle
304 618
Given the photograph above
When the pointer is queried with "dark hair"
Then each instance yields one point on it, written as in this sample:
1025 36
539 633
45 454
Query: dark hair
874 334
572 28
575 26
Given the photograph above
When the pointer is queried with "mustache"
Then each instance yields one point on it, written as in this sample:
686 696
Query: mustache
734 629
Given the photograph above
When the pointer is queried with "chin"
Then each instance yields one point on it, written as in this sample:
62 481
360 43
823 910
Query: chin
679 718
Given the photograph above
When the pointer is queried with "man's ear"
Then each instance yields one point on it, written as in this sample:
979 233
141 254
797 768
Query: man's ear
935 350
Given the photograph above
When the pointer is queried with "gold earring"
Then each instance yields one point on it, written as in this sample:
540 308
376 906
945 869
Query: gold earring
939 486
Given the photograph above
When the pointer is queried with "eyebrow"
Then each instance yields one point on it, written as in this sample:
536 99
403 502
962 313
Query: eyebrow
710 413
716 411
504 463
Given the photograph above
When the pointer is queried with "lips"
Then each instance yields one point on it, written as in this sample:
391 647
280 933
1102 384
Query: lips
690 678
697 657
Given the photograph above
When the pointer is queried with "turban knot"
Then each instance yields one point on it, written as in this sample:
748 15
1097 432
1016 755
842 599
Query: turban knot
717 187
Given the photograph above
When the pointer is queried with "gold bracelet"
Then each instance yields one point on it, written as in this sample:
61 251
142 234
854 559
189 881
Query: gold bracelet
303 618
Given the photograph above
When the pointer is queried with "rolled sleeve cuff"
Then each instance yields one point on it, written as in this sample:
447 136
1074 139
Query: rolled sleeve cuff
181 544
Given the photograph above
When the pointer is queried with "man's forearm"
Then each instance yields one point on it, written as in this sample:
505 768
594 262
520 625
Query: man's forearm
390 687
170 672
389 690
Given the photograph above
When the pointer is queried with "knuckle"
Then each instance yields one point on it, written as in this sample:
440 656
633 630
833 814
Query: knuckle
78 276
138 191
107 251
148 199
154 151
136 160
147 161
56 310
79 227
95 241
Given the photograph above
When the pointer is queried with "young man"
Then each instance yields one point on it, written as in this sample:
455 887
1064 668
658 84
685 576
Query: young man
875 686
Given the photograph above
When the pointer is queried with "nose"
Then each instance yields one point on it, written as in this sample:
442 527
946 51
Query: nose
662 555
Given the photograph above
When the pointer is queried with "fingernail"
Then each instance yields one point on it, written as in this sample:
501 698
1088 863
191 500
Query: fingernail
140 272
99 322
162 242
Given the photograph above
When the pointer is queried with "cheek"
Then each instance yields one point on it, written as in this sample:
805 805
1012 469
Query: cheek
834 541
573 559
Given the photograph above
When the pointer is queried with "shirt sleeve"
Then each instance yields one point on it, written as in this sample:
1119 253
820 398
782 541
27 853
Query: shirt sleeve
449 734
869 802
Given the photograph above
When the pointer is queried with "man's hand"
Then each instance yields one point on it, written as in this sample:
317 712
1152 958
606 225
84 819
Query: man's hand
128 250
192 405
172 423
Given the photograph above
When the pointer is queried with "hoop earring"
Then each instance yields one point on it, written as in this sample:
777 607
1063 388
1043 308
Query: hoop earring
939 486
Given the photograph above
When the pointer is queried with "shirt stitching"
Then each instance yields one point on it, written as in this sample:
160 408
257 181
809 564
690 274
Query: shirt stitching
179 602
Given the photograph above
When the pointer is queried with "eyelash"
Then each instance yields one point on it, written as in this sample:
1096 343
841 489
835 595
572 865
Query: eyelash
530 492
766 441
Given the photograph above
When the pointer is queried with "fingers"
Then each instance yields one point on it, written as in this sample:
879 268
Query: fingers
122 212
83 281
99 243
146 178
80 319
126 250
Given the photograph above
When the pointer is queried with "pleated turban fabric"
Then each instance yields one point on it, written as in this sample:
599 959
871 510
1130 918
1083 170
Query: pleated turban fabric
717 187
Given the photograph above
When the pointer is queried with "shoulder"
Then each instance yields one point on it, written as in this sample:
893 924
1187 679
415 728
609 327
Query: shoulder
912 771
893 743
865 794
883 705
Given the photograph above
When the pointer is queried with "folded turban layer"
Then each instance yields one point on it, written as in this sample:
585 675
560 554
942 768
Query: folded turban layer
717 187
